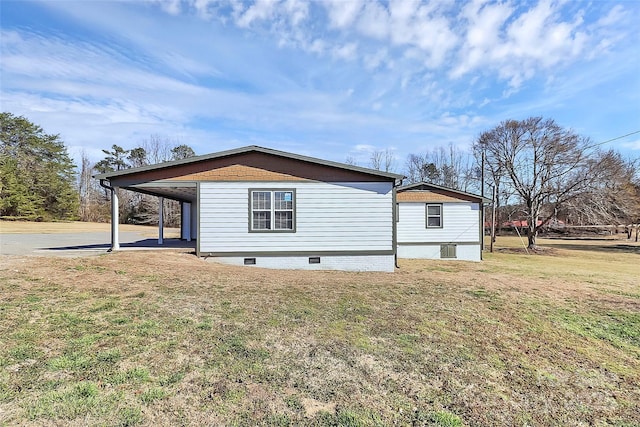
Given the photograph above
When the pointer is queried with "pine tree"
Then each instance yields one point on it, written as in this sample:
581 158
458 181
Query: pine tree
37 176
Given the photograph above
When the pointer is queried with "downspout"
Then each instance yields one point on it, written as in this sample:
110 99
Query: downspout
115 244
396 184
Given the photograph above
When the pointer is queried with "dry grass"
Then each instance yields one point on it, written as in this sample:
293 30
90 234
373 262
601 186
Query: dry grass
161 338
22 227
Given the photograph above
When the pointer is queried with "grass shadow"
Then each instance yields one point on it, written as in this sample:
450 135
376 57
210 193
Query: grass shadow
618 248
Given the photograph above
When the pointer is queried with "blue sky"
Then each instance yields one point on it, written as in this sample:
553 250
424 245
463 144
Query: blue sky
330 79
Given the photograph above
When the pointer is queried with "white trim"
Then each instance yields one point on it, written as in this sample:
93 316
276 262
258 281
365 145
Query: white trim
115 219
160 220
186 221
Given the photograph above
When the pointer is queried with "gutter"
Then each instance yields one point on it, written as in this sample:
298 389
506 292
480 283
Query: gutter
103 185
397 183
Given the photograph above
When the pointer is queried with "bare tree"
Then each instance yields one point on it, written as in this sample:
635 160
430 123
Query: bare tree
446 166
141 208
382 160
153 150
91 203
612 199
544 164
157 149
415 170
350 160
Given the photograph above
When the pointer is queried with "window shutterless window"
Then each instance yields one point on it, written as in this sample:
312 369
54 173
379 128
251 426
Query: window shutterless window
434 216
272 210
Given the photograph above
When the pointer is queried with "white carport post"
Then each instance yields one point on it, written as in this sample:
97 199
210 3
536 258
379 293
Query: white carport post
115 242
186 221
160 220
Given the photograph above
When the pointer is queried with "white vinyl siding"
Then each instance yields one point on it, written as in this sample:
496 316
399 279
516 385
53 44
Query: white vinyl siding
434 251
460 222
460 227
328 217
342 262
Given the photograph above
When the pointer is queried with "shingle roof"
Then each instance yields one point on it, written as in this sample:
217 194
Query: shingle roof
247 149
428 186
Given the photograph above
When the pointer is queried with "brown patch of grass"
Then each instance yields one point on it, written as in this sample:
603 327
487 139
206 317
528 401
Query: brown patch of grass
526 251
27 227
166 338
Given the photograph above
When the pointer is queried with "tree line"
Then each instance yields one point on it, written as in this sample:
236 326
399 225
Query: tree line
550 173
134 208
541 175
539 172
40 182
36 173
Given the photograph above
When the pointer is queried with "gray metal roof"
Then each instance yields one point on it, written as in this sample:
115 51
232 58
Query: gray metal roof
248 149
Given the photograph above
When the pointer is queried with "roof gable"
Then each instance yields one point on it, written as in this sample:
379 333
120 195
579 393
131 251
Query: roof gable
276 164
238 173
426 192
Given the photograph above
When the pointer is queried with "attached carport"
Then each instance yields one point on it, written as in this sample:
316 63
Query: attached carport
257 206
184 192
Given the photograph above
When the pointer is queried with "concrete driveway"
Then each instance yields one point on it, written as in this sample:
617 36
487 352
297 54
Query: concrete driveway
80 244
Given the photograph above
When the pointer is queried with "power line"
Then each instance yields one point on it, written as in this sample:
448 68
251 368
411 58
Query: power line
614 139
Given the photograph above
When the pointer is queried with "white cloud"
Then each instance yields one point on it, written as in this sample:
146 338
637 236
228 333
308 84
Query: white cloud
513 42
299 73
364 148
376 59
260 10
347 52
374 21
485 22
538 40
632 145
172 7
342 14
51 64
615 16
317 46
203 8
517 47
116 121
296 10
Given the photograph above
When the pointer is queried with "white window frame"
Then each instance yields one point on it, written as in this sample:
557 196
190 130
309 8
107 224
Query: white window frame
272 210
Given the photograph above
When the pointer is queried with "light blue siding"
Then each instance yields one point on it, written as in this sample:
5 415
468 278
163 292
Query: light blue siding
329 217
460 225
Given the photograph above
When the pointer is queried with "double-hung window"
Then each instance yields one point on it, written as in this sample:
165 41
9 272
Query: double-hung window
272 210
434 215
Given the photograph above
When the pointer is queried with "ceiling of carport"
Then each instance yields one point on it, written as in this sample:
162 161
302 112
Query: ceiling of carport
183 191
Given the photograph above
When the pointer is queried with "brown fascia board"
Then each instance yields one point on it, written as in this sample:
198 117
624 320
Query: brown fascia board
426 185
243 150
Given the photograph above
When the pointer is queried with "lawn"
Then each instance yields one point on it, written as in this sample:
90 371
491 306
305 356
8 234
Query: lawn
21 227
165 338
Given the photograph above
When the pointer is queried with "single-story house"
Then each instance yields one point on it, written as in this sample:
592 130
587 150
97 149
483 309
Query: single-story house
436 222
263 207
